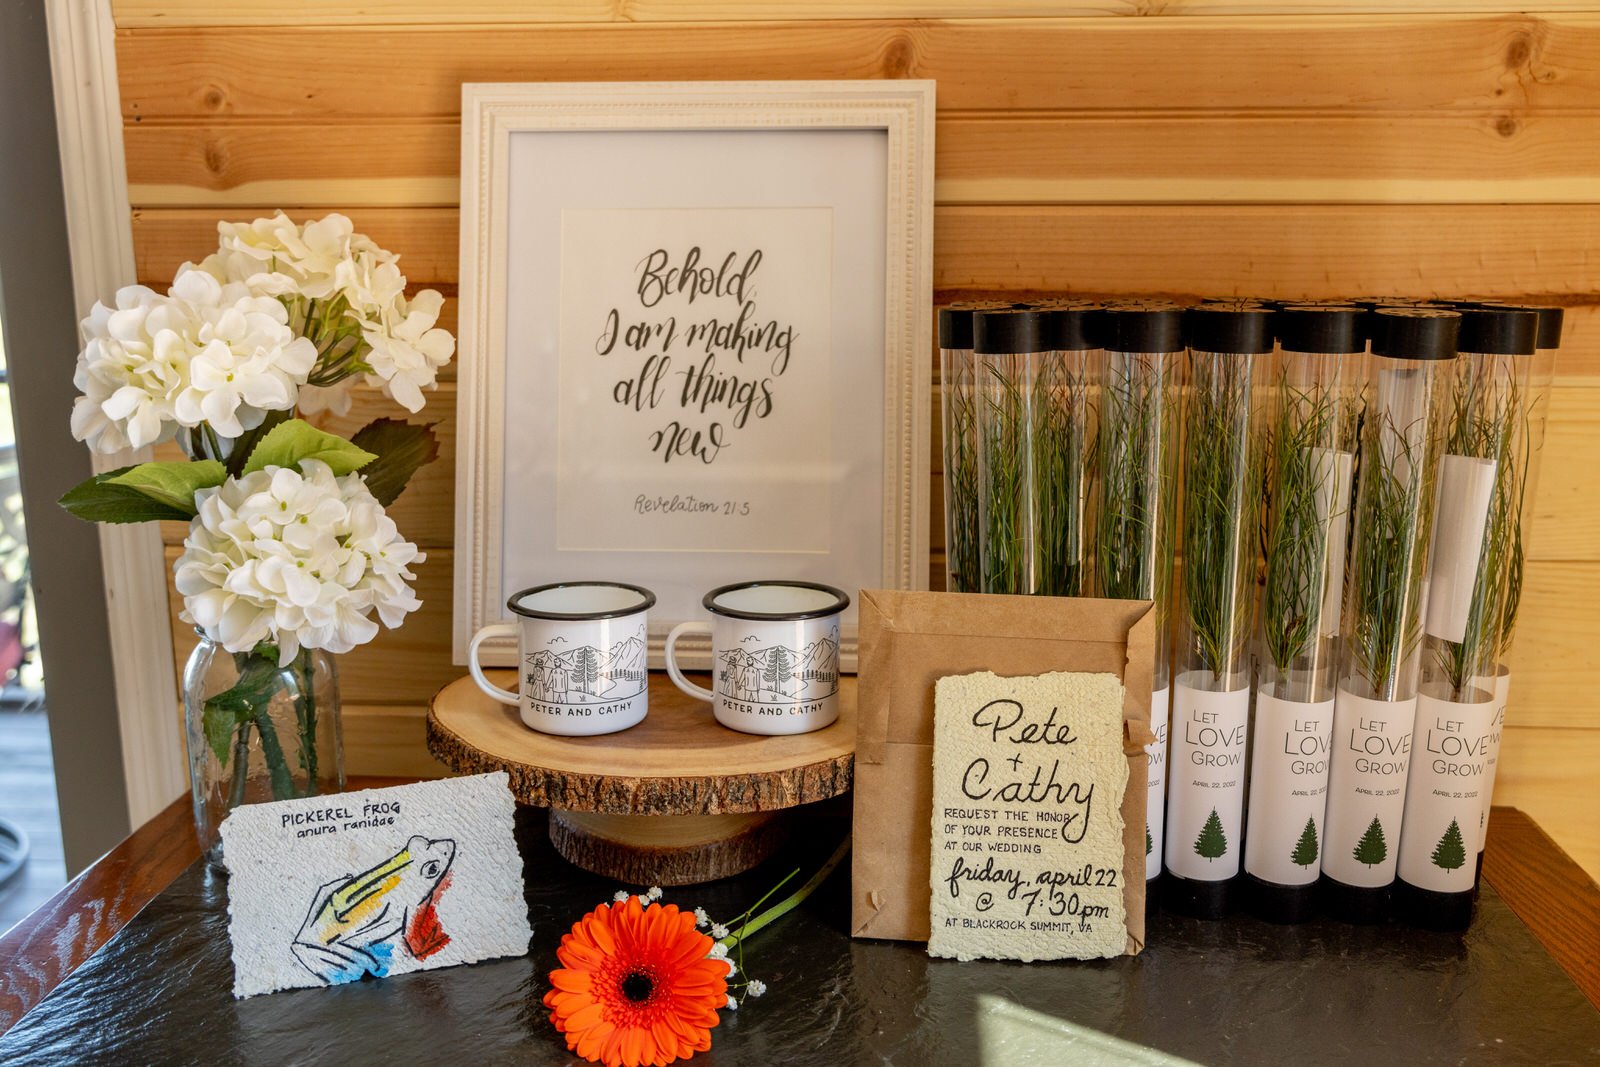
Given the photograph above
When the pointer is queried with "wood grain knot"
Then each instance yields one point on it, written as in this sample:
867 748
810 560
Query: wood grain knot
1519 51
216 156
1506 126
214 99
899 56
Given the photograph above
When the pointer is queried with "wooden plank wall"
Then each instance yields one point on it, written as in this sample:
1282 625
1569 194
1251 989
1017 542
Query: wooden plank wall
1189 148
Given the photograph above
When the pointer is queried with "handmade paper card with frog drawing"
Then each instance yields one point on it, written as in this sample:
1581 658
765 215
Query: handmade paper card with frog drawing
326 890
1028 848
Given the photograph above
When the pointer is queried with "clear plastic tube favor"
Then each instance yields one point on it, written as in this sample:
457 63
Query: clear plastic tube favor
1479 478
1525 467
1060 439
1375 704
959 426
1217 543
1135 501
1311 429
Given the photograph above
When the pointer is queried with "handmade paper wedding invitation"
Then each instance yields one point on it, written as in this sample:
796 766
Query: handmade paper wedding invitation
1028 780
379 882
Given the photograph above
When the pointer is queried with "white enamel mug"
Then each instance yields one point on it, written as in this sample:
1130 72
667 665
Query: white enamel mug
775 656
582 651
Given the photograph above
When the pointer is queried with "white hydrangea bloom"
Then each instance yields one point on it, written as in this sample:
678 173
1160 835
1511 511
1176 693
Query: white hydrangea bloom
300 559
407 348
129 372
207 352
325 260
279 257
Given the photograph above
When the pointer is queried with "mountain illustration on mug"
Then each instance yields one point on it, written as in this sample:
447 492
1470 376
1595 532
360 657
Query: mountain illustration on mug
583 674
780 673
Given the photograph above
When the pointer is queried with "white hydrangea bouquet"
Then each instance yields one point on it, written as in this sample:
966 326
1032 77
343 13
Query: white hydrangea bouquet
289 549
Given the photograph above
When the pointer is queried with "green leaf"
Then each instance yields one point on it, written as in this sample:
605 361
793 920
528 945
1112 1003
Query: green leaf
101 500
245 444
290 443
219 723
402 448
231 708
173 483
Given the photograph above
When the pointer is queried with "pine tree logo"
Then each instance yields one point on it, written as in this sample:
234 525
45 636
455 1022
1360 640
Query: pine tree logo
1370 849
586 668
1212 842
1305 850
1149 842
1450 853
779 667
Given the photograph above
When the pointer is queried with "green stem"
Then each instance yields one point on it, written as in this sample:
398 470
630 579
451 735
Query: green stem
789 903
307 707
241 766
272 750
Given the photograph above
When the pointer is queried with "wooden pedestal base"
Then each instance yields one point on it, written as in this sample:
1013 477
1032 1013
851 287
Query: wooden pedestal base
644 850
676 800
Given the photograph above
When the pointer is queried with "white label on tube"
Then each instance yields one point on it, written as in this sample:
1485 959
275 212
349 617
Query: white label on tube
1288 789
1502 689
1366 788
1205 801
1333 511
1155 808
1465 486
1444 796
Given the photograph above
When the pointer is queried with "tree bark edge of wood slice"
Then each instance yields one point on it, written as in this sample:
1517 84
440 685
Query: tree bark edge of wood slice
457 737
600 844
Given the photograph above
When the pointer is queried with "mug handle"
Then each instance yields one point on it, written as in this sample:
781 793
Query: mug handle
672 664
497 629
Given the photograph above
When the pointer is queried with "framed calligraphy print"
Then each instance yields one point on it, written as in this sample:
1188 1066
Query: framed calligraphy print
695 341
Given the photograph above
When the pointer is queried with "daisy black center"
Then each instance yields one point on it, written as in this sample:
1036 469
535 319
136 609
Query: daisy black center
637 987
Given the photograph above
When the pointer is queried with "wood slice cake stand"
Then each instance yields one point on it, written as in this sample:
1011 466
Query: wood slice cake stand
677 800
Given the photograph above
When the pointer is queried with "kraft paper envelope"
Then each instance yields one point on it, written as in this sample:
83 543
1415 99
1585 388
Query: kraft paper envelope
909 641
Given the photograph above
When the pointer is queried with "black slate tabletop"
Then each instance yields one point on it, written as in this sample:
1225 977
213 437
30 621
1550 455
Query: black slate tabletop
1238 991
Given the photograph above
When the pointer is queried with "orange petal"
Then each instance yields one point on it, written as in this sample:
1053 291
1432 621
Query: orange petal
585 1017
603 936
572 981
632 1046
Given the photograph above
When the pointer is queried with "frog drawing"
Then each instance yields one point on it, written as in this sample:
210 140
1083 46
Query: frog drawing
355 922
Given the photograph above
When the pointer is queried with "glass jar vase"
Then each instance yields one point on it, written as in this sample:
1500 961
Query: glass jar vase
258 731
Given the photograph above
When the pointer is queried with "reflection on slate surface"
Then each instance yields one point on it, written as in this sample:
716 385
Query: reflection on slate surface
1239 991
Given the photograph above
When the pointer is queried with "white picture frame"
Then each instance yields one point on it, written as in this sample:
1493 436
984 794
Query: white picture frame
863 150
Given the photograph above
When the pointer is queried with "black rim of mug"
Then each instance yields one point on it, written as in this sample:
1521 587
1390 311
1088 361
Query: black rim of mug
841 601
646 602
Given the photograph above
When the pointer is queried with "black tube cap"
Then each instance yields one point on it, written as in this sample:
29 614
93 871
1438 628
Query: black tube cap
1197 899
955 327
955 320
1414 332
1073 329
1238 327
1551 320
1362 905
1143 326
1429 909
1008 331
1320 328
1497 331
1275 903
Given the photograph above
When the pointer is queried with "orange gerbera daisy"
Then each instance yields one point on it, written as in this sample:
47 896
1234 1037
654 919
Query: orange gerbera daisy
636 986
